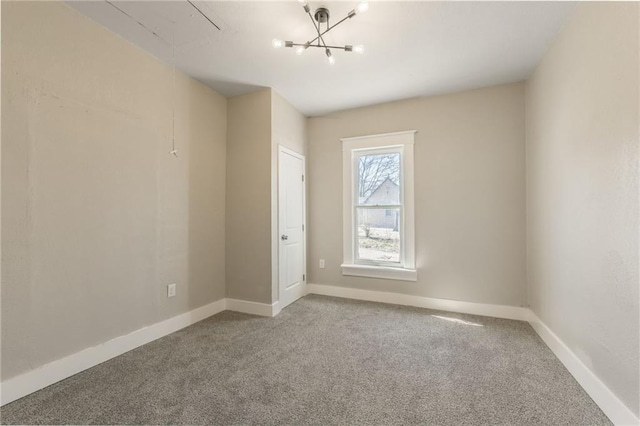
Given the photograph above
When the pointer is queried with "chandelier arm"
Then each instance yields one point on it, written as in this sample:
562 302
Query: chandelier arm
317 27
330 28
322 47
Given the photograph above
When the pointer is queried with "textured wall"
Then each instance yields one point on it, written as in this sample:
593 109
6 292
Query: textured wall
582 192
97 216
469 193
248 201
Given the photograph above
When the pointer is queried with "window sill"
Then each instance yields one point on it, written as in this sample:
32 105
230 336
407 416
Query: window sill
383 272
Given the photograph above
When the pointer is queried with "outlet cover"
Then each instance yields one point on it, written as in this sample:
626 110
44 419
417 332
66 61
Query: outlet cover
171 290
321 263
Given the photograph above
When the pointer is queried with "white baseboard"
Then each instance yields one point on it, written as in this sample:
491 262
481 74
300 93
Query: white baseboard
17 387
608 402
275 309
497 311
48 374
53 372
253 308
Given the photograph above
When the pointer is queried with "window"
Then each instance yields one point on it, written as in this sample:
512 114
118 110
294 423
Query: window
378 187
378 206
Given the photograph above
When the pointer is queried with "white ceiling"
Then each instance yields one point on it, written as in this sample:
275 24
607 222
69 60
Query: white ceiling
411 48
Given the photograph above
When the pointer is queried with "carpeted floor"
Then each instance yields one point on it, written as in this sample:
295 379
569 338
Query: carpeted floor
325 361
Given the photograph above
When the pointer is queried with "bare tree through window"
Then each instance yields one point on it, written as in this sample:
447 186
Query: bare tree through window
375 169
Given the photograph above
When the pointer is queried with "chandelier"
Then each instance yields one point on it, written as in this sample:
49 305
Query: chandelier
319 18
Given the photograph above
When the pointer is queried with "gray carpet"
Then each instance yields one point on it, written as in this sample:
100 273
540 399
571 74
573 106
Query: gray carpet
325 361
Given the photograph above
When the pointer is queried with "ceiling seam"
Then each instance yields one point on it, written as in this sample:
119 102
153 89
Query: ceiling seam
203 14
138 22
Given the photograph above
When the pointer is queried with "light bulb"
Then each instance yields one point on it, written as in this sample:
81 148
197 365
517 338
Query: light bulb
300 50
332 60
362 7
358 49
277 43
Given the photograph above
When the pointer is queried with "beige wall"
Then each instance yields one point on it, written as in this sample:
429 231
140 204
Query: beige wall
97 216
582 192
248 201
469 193
289 126
289 129
258 122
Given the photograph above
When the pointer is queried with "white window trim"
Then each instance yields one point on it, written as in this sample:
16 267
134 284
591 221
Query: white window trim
388 140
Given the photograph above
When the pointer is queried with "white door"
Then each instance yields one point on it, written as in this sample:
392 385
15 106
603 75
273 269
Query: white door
291 222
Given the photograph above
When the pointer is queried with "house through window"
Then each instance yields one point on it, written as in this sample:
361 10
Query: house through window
379 205
378 200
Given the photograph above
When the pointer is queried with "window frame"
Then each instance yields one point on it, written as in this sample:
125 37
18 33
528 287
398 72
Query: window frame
353 148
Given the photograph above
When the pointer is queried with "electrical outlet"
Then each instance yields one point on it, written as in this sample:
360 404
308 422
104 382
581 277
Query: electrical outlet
321 263
171 290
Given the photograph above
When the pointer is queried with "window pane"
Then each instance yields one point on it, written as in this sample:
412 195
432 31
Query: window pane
379 179
378 237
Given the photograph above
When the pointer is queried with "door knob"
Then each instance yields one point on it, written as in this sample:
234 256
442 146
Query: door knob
284 237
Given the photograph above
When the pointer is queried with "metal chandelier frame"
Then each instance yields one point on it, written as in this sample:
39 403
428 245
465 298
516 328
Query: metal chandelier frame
319 17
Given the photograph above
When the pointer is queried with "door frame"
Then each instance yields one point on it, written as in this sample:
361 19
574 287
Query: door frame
282 149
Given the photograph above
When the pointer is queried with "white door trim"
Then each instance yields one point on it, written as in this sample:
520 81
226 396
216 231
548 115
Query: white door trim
276 262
